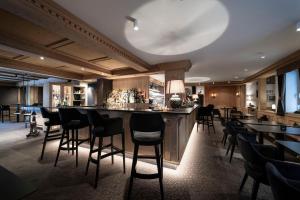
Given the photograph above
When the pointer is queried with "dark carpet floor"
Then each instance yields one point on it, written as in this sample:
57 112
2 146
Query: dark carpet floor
204 172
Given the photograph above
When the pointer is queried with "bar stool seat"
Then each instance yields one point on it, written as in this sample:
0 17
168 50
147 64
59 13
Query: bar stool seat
74 124
149 138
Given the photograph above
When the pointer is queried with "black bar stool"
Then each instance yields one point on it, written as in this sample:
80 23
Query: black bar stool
147 129
71 119
103 126
53 120
205 117
5 112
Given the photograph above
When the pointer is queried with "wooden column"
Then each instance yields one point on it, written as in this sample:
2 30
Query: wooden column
262 97
103 88
177 74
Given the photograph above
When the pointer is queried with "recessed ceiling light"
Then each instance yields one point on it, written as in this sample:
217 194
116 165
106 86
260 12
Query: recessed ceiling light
246 70
135 23
196 79
236 77
298 27
262 57
42 58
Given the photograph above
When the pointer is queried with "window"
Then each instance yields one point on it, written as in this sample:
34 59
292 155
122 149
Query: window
292 89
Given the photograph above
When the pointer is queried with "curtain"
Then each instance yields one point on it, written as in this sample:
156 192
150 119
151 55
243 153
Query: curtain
281 96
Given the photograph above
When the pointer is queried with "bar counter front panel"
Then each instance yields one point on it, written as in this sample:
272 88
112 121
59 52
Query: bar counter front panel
179 125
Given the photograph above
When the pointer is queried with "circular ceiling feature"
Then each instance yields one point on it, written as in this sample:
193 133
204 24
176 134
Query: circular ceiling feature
196 79
169 27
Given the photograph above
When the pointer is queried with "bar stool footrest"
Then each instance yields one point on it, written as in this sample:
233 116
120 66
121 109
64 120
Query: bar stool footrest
146 176
66 148
146 156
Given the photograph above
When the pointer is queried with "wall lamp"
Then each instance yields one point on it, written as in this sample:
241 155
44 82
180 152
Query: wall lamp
213 95
237 94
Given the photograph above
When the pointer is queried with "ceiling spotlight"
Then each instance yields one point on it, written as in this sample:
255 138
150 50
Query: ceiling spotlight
135 23
262 57
298 27
42 58
246 70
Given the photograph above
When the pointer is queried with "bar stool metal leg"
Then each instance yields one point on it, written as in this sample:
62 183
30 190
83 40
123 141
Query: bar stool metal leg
162 158
73 141
76 147
90 155
159 169
60 144
111 148
133 168
44 143
123 149
98 160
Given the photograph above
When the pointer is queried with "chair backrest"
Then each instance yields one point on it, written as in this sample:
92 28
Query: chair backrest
210 106
200 112
5 107
94 117
68 114
147 122
282 187
248 152
45 112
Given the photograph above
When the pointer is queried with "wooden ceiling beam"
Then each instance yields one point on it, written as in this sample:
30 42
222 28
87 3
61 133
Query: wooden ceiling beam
53 17
19 65
100 59
20 57
61 43
161 67
28 46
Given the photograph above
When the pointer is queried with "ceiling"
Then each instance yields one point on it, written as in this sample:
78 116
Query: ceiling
14 76
223 39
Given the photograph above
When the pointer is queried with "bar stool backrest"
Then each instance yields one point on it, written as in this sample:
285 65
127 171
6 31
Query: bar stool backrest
5 107
45 112
147 122
95 118
68 114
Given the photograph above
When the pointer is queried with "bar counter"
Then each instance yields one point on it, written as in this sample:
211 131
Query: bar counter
179 125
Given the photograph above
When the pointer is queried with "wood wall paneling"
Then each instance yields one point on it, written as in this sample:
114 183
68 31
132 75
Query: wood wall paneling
141 83
225 96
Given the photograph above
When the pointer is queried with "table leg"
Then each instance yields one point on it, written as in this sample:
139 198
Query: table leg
260 138
281 151
226 114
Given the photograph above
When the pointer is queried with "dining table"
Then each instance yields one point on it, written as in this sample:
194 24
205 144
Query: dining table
226 112
291 146
259 122
279 132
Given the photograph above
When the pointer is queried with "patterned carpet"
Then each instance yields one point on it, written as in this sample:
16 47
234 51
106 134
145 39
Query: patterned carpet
204 172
